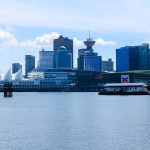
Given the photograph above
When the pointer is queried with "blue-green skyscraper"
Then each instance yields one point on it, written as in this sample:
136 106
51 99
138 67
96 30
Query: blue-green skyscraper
133 58
63 58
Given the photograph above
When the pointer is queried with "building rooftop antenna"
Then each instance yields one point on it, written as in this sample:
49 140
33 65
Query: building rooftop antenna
89 34
89 42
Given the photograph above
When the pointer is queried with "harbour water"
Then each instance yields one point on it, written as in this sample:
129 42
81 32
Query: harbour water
74 121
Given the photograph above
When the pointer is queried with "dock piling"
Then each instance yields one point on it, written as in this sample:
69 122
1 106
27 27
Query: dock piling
8 90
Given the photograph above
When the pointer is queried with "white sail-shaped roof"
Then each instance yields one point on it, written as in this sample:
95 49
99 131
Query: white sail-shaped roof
18 75
8 75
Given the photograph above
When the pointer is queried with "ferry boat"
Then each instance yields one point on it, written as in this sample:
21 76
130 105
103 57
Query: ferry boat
124 89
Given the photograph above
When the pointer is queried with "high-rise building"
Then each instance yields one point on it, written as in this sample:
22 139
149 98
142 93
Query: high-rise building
90 62
133 58
87 59
16 67
63 58
66 42
46 60
29 64
108 65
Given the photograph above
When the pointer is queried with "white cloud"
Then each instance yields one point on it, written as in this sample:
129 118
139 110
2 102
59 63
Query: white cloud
41 41
103 42
77 42
45 40
99 41
6 38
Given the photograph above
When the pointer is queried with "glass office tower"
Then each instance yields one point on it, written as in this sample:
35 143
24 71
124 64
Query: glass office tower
90 62
46 59
63 58
66 42
133 58
29 64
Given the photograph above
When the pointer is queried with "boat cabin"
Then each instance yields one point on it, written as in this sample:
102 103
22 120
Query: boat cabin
125 87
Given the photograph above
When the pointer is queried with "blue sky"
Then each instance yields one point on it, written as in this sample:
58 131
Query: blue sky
27 26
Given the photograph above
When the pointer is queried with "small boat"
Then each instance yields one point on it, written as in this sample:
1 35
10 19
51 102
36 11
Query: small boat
124 89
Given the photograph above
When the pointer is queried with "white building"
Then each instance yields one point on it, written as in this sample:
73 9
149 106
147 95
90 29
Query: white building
8 76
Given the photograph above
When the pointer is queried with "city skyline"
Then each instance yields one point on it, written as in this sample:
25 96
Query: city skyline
26 27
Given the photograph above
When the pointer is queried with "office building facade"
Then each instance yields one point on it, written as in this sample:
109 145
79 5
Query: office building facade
16 67
63 58
46 59
108 65
133 58
90 62
66 42
29 64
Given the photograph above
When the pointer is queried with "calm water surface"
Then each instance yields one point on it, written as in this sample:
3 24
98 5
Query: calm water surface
74 121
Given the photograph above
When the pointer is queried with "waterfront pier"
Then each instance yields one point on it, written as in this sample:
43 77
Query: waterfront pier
8 90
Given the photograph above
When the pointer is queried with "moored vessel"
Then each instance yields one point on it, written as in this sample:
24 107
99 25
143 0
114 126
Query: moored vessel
124 89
